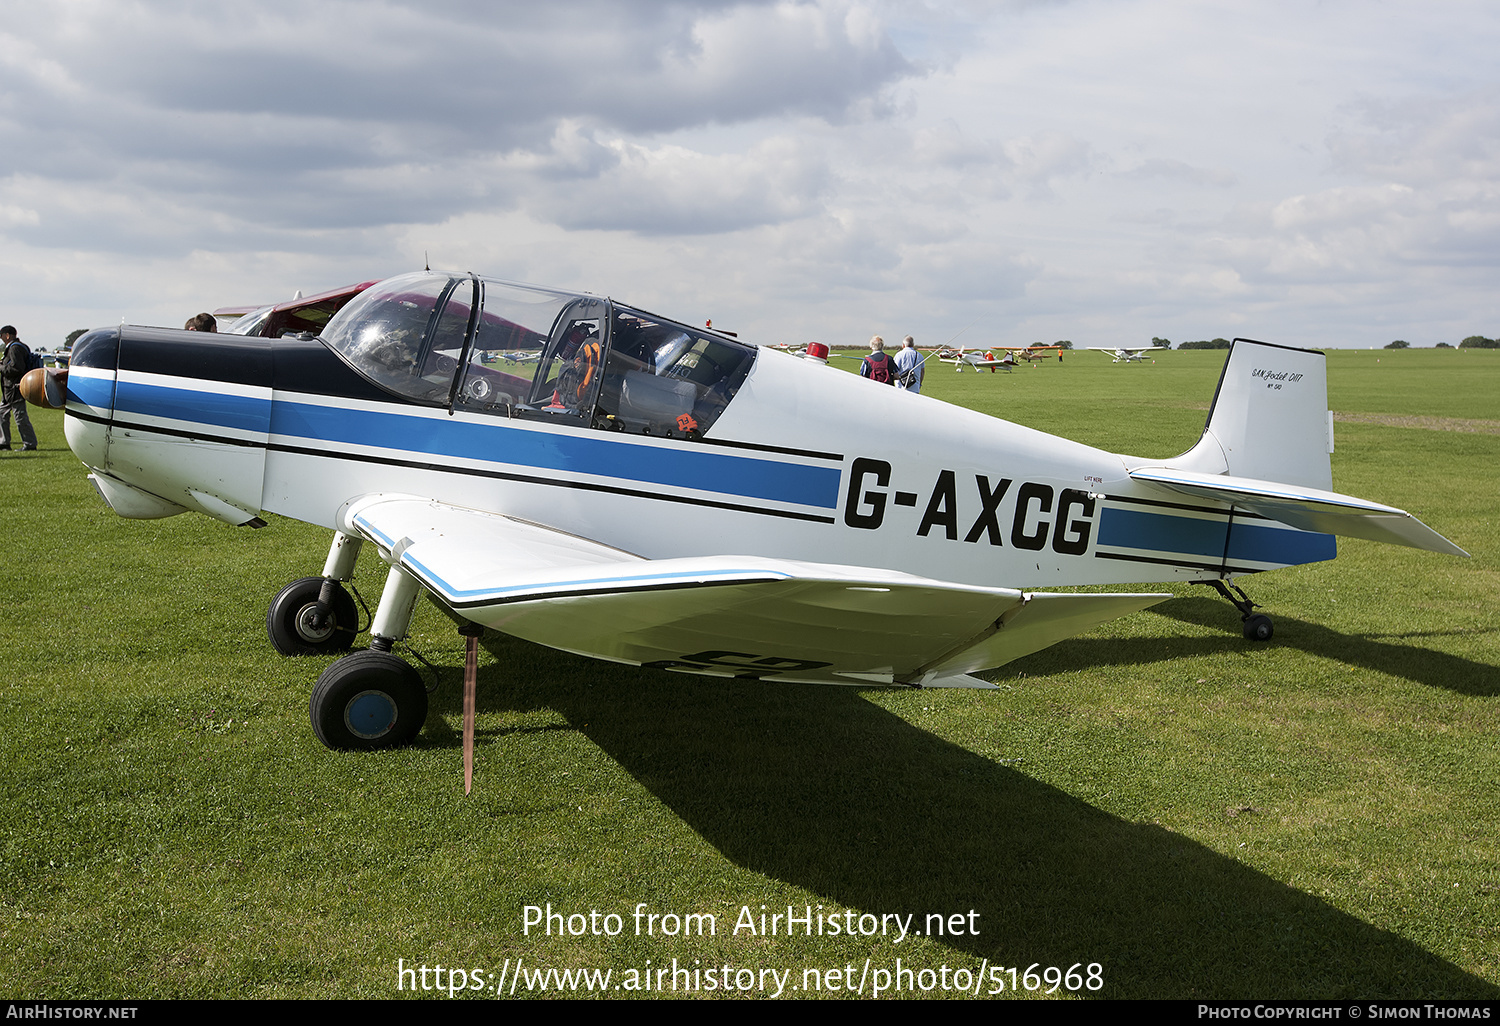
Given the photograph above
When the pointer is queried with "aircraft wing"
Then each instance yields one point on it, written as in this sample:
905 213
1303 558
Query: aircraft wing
1309 509
733 616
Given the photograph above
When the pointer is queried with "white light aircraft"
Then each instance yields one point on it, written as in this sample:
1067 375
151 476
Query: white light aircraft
977 359
625 486
1124 354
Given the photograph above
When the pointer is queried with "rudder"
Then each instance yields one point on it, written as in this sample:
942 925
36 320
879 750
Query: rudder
1269 419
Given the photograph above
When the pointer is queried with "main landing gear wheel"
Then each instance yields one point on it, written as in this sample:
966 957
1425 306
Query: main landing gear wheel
368 700
298 627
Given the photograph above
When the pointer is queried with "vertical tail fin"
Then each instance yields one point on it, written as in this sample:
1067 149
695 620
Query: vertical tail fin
1269 418
1265 449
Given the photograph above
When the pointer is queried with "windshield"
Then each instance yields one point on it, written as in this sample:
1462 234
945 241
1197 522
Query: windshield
406 334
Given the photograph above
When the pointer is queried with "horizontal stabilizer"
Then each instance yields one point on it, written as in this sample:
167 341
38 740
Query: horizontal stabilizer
1308 509
733 616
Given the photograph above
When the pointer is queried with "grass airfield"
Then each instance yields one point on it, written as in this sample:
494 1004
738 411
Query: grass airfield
1201 817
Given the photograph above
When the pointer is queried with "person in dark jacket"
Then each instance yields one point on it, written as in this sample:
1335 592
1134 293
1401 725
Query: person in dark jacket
15 361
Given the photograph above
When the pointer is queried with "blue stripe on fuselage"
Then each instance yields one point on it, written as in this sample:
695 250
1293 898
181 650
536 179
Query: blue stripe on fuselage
1248 542
241 412
96 392
603 455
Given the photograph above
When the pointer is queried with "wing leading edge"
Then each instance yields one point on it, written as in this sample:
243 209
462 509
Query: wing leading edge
735 616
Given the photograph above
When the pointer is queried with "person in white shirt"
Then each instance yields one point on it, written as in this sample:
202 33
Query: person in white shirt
909 366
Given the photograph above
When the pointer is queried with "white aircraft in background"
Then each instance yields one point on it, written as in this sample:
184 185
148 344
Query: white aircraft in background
1124 354
635 489
978 359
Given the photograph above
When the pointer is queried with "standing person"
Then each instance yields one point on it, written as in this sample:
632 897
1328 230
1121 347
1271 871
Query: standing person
14 363
909 366
202 322
877 366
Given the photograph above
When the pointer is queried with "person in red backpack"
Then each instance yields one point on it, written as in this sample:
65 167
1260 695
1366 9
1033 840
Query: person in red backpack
877 366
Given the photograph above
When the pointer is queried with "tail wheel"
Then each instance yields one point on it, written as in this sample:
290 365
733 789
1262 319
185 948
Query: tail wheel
298 627
368 700
1258 627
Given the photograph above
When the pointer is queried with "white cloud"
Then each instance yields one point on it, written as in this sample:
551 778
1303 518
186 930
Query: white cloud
673 190
1126 168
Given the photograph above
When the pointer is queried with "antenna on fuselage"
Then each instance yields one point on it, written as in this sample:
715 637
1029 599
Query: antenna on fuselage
426 263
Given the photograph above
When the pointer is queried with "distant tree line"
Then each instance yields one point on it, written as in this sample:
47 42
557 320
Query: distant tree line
1472 342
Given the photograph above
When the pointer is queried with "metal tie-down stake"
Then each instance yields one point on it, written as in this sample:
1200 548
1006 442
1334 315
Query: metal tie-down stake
471 632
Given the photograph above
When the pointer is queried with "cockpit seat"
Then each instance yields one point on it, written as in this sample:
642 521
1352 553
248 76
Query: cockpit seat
646 399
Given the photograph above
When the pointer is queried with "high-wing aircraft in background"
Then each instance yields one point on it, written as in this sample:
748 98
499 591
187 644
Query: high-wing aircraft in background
978 359
621 485
1124 354
1031 354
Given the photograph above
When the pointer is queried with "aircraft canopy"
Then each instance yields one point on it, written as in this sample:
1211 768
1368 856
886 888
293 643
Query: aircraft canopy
495 347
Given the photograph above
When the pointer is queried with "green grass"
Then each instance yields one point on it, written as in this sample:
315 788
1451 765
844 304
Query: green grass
1203 818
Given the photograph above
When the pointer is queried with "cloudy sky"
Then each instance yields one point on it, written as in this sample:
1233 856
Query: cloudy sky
1322 174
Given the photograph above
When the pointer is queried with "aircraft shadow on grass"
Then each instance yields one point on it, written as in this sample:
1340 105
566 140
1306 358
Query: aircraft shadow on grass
823 789
1387 653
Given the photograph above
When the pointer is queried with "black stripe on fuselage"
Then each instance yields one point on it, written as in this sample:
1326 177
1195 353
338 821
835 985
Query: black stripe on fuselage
197 436
783 449
308 366
1218 568
240 359
87 416
98 349
1159 504
286 364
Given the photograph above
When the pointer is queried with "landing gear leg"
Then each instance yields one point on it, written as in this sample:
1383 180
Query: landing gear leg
393 618
1257 626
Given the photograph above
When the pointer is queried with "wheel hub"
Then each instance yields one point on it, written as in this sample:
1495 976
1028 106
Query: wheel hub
314 625
370 714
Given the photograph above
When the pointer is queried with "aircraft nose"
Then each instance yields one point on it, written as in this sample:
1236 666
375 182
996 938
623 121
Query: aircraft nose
46 387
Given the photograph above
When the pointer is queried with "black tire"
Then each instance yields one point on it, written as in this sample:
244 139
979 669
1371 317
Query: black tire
1258 627
289 620
368 700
